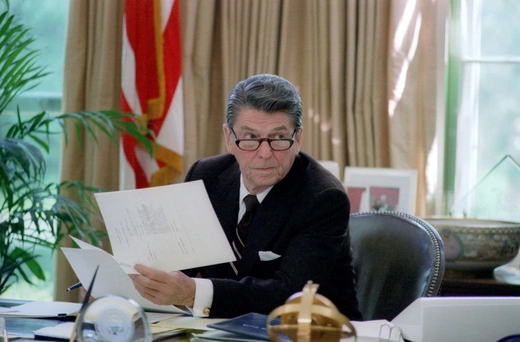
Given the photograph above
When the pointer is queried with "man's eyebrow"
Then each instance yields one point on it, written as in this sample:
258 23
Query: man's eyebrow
246 128
280 128
274 130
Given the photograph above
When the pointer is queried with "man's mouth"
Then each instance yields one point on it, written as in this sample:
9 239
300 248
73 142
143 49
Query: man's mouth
262 170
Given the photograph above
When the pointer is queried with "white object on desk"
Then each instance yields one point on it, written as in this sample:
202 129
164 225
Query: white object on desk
455 319
3 329
379 330
42 309
60 331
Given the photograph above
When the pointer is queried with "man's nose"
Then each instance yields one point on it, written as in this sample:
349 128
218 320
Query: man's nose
265 149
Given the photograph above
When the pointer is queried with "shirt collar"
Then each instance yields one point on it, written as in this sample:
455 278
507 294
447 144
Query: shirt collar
244 192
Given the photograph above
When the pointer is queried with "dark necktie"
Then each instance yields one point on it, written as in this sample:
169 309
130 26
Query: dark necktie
242 229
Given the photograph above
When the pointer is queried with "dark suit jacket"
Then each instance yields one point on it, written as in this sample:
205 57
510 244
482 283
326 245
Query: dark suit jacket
304 218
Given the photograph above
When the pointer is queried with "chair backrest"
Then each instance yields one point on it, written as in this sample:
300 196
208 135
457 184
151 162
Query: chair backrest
397 258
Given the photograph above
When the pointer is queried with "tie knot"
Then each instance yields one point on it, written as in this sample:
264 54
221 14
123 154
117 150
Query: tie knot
251 202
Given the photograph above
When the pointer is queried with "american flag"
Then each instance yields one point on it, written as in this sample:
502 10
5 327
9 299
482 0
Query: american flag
152 87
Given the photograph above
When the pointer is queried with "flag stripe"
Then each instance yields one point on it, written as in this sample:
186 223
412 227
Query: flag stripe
152 87
140 25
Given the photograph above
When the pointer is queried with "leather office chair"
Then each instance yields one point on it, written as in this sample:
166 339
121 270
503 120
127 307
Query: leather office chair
397 258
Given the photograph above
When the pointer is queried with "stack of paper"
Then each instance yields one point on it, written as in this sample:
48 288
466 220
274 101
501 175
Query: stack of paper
41 309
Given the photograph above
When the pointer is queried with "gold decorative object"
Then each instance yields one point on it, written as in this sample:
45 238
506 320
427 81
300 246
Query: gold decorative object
307 316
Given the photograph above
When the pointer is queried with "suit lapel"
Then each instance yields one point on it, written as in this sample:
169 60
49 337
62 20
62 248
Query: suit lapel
226 202
271 216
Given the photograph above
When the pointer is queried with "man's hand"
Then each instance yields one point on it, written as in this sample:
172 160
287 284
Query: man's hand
164 288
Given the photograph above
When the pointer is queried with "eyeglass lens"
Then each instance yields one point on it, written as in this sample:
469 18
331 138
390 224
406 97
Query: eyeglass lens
251 145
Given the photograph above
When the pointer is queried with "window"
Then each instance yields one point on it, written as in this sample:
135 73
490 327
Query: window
47 21
484 109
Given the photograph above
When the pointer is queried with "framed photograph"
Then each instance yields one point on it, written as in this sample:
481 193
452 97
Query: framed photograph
381 189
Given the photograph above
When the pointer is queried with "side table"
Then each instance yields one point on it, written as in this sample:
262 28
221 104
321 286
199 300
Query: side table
477 287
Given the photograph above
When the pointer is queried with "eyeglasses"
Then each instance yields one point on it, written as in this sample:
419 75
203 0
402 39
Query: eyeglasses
254 144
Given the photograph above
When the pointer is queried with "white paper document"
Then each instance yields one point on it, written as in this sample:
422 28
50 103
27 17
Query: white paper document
42 309
60 331
110 279
168 228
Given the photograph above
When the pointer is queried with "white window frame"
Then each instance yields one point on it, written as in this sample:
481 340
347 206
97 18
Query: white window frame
464 40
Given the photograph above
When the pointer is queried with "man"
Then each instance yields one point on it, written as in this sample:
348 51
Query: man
299 231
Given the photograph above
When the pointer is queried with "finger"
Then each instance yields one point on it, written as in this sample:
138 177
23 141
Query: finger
147 287
149 296
150 273
142 279
146 292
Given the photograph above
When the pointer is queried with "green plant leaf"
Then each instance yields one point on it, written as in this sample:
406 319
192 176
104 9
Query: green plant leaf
18 70
36 268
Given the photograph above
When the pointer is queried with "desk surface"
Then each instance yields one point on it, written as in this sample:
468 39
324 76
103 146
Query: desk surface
477 286
23 327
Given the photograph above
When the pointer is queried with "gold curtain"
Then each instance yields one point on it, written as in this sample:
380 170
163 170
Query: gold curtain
223 43
335 57
415 86
334 52
341 54
92 81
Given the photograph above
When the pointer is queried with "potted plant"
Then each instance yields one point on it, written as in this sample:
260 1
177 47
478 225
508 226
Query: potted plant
33 211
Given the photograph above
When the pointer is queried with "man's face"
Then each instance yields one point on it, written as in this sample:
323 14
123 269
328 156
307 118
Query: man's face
263 167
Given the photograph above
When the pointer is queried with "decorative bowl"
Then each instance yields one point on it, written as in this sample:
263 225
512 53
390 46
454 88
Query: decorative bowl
475 244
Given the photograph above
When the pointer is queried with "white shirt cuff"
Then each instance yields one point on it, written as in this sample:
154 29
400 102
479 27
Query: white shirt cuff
203 297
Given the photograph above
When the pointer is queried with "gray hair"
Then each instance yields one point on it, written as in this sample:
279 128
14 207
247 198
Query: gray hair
267 93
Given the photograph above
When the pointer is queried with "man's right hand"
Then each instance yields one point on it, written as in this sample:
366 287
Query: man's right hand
164 288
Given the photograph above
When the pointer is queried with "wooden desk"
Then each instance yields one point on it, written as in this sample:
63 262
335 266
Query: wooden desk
476 286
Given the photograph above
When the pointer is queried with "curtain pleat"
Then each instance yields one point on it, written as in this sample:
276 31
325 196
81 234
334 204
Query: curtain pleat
413 88
379 98
350 81
199 51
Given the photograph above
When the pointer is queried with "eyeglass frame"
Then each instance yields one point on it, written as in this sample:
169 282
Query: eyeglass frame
261 140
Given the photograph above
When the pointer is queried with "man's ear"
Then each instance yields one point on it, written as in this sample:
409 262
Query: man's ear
227 137
299 138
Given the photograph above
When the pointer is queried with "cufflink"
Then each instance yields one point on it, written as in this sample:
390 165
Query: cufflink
206 311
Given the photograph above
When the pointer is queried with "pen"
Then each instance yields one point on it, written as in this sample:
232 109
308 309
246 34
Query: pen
73 287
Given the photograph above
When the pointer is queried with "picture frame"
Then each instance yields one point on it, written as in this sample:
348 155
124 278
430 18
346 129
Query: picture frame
381 189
